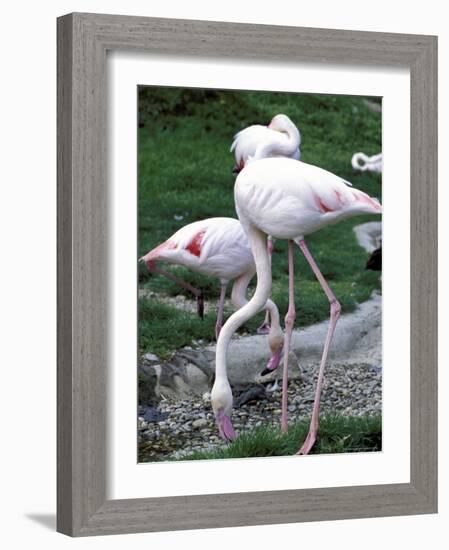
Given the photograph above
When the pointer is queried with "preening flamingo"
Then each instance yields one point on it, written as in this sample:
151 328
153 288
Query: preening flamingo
281 138
288 200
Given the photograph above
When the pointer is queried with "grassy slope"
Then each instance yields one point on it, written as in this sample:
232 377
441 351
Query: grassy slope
185 170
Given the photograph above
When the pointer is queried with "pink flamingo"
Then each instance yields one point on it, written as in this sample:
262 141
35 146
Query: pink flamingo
281 138
218 247
289 200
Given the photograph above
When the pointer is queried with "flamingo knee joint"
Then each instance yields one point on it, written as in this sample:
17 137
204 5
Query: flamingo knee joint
290 319
335 308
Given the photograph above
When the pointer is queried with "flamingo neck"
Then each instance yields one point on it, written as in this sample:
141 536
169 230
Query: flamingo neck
288 146
294 139
258 241
238 298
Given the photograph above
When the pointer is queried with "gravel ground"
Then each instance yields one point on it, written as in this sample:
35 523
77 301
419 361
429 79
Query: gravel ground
189 425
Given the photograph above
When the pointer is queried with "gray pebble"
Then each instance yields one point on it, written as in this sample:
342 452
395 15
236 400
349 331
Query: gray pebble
199 423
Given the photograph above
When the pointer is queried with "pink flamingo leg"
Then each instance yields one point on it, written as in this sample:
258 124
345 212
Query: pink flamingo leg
265 326
195 291
289 322
334 315
220 308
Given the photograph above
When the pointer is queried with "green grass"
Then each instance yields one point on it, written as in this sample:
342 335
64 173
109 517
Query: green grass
185 171
337 434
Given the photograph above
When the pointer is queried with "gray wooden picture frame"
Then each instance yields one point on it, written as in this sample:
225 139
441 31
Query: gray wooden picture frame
83 40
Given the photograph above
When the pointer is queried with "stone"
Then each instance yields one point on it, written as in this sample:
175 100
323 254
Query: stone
151 357
147 386
199 423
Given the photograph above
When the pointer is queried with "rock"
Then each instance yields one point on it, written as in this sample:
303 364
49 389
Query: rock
152 414
252 394
356 340
151 357
147 386
196 378
199 423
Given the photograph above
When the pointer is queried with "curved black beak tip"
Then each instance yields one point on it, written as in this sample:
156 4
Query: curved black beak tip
265 372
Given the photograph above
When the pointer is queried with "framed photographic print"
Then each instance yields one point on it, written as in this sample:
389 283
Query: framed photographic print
246 274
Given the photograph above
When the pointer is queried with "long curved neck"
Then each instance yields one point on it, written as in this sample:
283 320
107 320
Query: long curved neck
293 141
238 298
284 148
258 241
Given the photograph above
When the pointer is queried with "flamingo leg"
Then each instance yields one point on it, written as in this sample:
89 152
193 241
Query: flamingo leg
265 326
289 322
220 308
198 293
334 315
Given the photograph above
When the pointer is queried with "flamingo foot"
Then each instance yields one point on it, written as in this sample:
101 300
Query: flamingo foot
264 328
225 427
308 443
200 304
274 361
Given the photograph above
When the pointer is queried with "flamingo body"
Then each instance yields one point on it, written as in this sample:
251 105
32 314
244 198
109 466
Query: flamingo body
290 199
215 247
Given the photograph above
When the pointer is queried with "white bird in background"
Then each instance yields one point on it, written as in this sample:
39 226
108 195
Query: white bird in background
217 247
281 138
363 162
288 200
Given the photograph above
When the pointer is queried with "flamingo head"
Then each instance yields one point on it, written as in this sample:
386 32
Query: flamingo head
280 123
276 341
225 428
221 399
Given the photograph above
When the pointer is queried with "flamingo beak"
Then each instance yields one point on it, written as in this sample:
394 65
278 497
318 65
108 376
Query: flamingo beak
274 361
225 428
264 329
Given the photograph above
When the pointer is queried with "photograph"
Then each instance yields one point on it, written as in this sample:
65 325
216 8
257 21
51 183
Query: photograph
259 274
226 303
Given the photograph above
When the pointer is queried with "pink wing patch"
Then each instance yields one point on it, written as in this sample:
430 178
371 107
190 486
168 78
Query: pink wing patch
339 199
194 246
324 209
